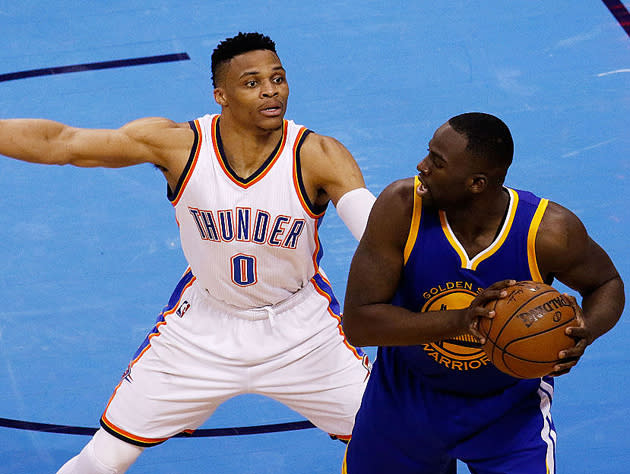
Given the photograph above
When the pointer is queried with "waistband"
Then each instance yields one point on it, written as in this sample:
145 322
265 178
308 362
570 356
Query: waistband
263 312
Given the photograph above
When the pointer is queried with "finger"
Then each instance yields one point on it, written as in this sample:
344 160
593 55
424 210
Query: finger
576 305
501 284
577 332
563 368
559 373
474 330
490 295
572 354
572 299
483 312
579 348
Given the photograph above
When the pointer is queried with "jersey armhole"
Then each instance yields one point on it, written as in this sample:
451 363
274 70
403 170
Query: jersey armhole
174 194
531 240
416 215
301 189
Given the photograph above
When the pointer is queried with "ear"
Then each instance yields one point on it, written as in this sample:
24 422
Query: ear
219 96
478 183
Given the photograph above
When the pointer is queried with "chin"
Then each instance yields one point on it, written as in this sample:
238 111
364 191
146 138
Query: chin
271 125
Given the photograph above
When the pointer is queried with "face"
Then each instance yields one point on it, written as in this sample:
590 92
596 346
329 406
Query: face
446 172
253 90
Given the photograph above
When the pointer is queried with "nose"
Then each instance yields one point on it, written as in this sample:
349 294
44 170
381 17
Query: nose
269 89
422 167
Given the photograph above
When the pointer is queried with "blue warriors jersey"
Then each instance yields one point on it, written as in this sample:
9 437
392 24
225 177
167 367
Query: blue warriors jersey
438 275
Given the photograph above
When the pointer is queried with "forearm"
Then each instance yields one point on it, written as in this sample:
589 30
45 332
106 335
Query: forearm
603 307
354 209
389 325
32 140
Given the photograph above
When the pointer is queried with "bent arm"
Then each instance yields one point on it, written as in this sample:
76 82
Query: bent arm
329 169
369 318
331 173
566 250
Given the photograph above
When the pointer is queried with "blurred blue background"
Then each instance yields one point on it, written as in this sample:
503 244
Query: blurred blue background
88 257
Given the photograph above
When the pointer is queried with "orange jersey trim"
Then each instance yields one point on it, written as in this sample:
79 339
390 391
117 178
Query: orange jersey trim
333 315
303 200
138 440
191 169
222 161
110 425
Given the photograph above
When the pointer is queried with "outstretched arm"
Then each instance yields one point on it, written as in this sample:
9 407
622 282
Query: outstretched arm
565 249
149 140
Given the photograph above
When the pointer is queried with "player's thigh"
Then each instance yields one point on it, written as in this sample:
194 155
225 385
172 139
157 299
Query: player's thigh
319 375
324 382
527 461
151 405
174 383
393 432
371 452
522 441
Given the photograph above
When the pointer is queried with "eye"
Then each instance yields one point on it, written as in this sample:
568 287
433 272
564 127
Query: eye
278 80
251 84
436 162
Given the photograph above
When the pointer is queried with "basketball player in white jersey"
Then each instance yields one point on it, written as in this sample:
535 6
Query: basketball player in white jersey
254 313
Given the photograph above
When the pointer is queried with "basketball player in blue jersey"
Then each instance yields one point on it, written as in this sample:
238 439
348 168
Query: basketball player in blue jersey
254 313
436 249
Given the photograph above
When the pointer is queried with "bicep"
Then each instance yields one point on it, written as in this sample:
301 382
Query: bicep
150 140
374 274
567 251
328 166
376 267
104 148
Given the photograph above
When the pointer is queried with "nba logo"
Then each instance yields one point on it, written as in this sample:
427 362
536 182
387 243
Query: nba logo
182 309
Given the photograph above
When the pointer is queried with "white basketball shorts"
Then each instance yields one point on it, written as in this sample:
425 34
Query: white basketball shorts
203 352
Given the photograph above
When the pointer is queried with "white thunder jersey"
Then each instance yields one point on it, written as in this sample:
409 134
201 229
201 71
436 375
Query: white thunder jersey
250 242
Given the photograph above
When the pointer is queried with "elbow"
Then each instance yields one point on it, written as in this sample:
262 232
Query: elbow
351 329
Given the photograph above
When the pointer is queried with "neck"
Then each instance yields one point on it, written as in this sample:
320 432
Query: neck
477 224
246 148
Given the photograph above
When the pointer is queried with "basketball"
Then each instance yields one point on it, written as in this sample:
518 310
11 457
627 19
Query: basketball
527 332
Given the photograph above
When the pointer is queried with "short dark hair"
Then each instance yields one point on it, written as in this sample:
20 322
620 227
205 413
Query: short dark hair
488 137
239 44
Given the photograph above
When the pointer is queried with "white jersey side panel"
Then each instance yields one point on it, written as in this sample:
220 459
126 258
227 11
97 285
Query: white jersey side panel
251 242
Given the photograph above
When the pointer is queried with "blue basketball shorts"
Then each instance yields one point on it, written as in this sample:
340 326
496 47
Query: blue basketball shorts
405 427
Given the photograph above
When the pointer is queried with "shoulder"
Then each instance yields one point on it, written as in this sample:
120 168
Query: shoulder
318 146
561 240
328 168
391 214
162 135
153 127
400 189
395 202
559 225
167 142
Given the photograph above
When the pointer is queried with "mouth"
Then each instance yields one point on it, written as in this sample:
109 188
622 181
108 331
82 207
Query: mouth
422 189
274 109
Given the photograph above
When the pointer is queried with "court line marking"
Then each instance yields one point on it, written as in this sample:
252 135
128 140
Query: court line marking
200 433
616 71
620 12
116 63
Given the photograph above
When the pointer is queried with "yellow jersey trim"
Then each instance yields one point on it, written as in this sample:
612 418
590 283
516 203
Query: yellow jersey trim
531 240
416 215
472 264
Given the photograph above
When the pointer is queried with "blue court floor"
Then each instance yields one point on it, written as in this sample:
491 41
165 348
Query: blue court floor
88 257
